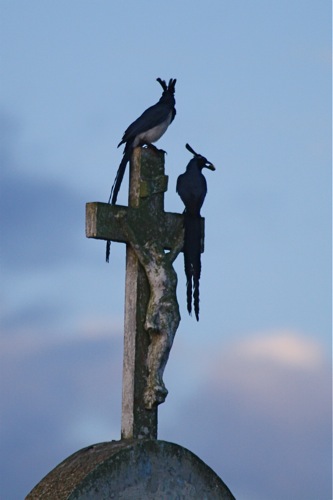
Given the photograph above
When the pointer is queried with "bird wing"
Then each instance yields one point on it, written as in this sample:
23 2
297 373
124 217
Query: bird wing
192 192
153 116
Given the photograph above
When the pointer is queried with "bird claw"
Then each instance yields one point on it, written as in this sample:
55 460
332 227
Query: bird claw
154 148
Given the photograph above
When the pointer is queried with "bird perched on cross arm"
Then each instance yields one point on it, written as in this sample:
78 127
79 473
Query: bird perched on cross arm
148 128
192 188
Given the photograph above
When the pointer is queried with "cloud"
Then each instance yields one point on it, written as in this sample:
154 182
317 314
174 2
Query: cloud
260 415
23 340
42 220
59 393
256 410
92 327
269 373
284 348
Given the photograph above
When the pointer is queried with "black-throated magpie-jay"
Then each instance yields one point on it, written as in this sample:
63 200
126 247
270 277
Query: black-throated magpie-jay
192 188
146 129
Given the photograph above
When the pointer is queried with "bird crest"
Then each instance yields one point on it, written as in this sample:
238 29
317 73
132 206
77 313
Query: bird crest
168 88
202 159
191 150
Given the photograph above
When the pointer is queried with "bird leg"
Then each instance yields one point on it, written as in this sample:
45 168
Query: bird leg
153 148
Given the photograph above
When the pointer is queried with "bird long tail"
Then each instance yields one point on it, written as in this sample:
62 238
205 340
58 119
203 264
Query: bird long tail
192 261
120 175
115 188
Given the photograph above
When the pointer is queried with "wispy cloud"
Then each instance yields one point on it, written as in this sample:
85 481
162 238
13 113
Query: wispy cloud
287 349
256 410
260 414
23 341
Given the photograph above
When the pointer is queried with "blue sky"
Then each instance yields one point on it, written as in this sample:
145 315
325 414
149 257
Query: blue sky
249 385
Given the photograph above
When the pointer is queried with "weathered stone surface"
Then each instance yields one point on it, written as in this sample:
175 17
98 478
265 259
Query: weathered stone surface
151 307
132 469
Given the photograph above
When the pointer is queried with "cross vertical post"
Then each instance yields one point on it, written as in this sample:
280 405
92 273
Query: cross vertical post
151 308
137 421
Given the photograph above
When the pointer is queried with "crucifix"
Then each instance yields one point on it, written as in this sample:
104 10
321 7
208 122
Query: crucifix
113 469
153 239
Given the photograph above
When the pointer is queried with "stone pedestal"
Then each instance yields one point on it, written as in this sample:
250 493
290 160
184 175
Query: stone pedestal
132 469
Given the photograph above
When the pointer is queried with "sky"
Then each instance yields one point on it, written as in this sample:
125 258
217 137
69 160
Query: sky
250 383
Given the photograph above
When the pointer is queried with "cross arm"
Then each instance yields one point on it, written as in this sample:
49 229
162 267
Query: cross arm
105 221
108 222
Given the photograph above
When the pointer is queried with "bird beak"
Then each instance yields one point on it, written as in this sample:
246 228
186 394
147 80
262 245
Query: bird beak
210 166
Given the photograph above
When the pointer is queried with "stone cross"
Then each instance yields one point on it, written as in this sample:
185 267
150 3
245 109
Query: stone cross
148 467
151 308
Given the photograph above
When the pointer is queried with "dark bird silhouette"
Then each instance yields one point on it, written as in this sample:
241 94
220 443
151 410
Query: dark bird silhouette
145 130
192 188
